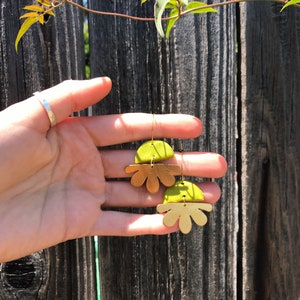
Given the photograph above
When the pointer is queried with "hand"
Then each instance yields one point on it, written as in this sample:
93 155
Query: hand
52 180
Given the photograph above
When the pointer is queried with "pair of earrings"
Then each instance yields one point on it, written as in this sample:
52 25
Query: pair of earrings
183 199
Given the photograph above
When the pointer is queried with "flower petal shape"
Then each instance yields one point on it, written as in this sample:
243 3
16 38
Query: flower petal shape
185 223
199 217
171 217
152 183
152 173
138 179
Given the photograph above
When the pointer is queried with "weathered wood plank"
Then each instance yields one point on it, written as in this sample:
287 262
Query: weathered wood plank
270 152
192 73
66 271
47 55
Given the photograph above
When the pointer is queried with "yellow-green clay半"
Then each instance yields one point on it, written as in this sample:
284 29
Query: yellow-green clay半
153 151
183 191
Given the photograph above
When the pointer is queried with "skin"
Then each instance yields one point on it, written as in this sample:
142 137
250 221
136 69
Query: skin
53 180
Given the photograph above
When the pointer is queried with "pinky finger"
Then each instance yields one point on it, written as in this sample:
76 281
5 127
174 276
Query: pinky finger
112 223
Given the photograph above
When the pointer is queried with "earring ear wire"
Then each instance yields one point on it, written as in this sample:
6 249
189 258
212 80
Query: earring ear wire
181 164
152 129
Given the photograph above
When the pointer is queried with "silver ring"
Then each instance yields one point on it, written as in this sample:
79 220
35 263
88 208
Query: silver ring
47 108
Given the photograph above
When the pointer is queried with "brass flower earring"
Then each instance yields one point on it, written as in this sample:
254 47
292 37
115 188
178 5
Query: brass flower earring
183 201
146 169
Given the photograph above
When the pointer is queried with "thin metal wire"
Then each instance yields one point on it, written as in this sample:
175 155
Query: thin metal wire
181 171
152 130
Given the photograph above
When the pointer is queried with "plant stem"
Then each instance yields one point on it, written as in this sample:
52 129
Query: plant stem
113 14
182 13
232 2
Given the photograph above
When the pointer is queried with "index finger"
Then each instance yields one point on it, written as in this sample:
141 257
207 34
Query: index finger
65 98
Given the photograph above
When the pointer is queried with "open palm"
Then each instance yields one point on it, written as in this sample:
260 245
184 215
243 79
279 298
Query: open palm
53 181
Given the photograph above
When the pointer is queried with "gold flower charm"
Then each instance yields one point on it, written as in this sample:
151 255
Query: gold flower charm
146 169
181 201
184 212
152 174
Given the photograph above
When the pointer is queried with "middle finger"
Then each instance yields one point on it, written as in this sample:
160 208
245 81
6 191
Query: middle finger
198 164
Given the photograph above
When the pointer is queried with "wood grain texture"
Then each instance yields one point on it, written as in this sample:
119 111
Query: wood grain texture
66 271
270 153
47 55
193 72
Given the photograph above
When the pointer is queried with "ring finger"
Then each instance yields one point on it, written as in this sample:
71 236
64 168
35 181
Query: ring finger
139 197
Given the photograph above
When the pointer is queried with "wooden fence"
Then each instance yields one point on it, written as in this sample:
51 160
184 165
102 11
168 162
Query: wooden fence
237 70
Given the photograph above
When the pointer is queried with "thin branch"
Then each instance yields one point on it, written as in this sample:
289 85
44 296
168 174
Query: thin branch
213 5
113 14
231 2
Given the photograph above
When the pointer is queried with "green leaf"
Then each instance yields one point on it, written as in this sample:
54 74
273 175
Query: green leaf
25 26
172 3
196 4
159 9
171 6
36 8
184 2
289 3
171 22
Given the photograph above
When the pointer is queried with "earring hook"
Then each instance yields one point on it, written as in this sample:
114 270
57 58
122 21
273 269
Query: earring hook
181 172
181 160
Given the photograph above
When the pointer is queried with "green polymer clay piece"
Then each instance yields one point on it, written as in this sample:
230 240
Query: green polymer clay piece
153 151
183 191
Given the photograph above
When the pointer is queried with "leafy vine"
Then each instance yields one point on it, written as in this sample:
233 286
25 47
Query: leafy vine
176 9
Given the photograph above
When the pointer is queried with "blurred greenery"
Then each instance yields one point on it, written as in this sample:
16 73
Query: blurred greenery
86 50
